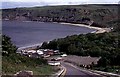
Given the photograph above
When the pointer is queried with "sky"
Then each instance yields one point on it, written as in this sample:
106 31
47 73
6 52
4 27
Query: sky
30 3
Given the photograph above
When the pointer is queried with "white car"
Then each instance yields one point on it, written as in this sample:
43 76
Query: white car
64 55
59 58
54 63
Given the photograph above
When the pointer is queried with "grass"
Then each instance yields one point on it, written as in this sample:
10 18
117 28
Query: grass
10 66
112 69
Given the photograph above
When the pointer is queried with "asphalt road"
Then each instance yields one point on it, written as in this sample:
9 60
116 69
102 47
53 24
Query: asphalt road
73 71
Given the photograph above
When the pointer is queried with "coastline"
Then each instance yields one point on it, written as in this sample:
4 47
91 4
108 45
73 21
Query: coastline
29 46
98 29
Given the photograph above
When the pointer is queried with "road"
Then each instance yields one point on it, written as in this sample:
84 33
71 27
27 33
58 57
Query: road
73 71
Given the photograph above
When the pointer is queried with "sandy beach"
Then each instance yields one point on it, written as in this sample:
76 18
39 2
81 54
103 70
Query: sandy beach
98 29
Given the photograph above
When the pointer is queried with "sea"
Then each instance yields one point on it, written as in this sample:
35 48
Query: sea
28 33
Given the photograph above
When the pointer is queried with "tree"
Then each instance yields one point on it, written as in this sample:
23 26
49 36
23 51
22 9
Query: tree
103 62
95 45
72 49
44 45
52 45
7 46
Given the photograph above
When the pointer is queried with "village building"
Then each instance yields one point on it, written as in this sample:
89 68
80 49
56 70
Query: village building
38 53
35 55
83 61
49 52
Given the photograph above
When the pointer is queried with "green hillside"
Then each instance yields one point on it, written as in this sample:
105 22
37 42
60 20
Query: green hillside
103 15
13 63
105 45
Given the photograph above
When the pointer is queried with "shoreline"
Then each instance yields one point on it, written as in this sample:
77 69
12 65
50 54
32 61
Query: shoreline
98 29
28 46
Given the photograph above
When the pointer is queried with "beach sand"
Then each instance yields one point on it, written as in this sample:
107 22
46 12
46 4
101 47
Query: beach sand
98 29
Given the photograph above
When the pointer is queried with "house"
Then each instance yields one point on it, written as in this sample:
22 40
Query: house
46 56
48 52
32 53
56 52
40 52
35 55
84 61
59 59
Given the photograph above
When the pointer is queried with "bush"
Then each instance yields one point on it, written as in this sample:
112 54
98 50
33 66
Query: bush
7 46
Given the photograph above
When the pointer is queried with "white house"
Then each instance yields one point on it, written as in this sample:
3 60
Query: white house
40 52
31 51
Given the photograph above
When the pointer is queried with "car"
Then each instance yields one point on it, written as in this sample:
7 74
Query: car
64 55
59 58
53 63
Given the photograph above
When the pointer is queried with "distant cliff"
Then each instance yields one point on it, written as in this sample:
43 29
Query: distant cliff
102 15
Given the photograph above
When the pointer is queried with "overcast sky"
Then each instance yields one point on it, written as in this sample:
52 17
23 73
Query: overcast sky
64 1
25 3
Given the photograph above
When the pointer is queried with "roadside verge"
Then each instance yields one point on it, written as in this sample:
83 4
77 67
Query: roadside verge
60 73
